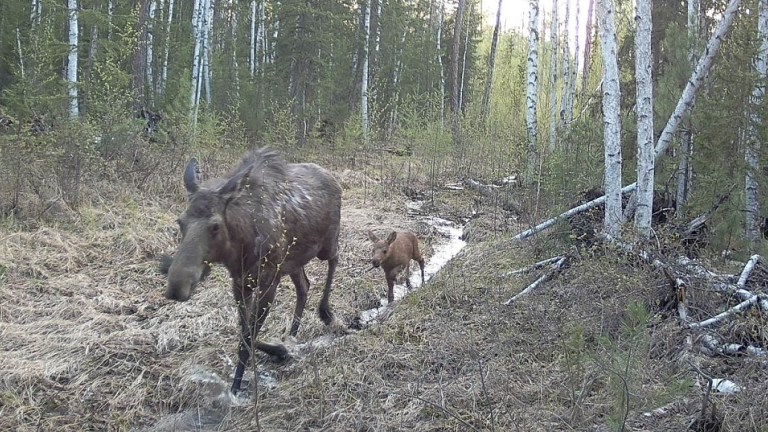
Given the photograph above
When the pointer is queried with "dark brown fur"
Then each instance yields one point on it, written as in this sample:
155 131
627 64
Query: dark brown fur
395 254
265 220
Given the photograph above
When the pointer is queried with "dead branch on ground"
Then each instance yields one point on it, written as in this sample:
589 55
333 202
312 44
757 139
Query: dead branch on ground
555 268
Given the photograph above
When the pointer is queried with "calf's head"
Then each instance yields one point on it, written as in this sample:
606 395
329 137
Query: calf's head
205 231
380 247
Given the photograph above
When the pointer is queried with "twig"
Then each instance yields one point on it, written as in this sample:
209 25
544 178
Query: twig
547 276
705 400
534 266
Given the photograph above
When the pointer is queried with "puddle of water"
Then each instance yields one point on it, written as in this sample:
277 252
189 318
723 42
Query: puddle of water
443 252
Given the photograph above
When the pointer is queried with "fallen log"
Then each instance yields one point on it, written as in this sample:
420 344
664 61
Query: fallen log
490 192
556 267
578 209
723 315
712 346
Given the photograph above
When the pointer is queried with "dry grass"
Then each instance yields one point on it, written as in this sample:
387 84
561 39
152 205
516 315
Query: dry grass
89 342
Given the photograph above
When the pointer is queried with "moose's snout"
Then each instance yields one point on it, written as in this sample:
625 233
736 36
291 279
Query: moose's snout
180 285
376 263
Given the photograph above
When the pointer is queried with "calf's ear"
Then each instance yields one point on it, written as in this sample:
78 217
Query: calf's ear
372 236
235 186
392 237
192 176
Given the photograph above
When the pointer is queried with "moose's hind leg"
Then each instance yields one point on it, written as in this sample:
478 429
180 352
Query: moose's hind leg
301 282
324 310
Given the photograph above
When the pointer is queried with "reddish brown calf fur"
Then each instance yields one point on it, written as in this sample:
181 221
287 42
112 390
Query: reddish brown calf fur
395 254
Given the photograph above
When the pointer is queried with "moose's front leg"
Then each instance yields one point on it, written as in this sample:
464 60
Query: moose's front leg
244 300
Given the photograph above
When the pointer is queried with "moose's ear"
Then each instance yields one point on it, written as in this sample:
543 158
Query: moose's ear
235 185
392 236
372 236
192 176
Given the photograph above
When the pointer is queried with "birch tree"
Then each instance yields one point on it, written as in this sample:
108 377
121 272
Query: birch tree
167 46
553 80
587 45
197 24
456 51
564 104
206 60
491 60
149 50
531 95
72 58
439 51
364 81
753 143
611 117
252 41
574 71
645 157
684 170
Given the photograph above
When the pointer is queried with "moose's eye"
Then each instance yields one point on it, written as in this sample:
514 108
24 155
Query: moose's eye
215 228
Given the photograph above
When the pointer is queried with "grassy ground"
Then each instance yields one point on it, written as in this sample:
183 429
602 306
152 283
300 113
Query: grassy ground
90 343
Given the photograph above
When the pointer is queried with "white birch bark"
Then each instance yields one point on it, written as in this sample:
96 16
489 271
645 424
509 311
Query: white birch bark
207 30
167 47
378 28
455 52
587 45
464 65
276 30
197 24
110 12
491 60
611 120
261 31
684 171
644 109
364 81
566 68
699 72
36 10
574 71
395 81
149 50
553 80
252 41
531 95
440 61
753 143
21 55
233 38
72 58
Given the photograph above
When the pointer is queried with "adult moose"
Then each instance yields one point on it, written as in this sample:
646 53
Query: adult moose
266 219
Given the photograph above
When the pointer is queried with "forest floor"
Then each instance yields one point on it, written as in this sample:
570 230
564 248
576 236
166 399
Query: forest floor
90 343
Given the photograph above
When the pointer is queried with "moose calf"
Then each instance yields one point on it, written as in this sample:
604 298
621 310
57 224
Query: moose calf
395 254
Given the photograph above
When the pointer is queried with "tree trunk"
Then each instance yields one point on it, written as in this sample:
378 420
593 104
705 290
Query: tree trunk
456 52
491 60
564 106
462 79
684 170
207 25
693 84
553 80
611 119
395 82
587 46
753 143
645 159
72 59
440 61
198 9
252 41
150 50
574 72
531 96
364 81
167 47
233 40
